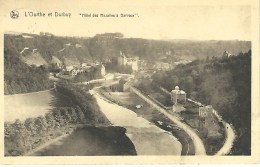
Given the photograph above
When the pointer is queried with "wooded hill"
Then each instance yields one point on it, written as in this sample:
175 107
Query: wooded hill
22 78
22 51
75 50
224 83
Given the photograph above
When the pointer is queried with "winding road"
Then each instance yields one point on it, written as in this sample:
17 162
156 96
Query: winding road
198 144
230 133
230 137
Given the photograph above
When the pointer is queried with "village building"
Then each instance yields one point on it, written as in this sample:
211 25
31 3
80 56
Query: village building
69 68
122 60
178 95
73 72
204 110
103 70
132 62
226 54
78 45
35 50
163 66
84 65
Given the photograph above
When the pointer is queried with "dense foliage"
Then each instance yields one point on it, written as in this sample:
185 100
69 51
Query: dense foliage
222 82
85 101
20 137
21 78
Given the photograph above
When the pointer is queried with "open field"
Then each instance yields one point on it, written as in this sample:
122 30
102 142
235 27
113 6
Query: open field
31 105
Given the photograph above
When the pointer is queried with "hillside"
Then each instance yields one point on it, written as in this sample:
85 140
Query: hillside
19 77
102 47
33 59
224 83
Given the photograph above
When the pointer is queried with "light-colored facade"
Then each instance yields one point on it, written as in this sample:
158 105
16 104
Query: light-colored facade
103 70
123 61
163 66
178 95
226 54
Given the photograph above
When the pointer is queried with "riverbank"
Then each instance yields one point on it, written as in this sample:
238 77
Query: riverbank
130 100
147 137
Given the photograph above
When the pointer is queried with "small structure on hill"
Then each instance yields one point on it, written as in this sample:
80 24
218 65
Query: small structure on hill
178 95
226 54
103 70
204 110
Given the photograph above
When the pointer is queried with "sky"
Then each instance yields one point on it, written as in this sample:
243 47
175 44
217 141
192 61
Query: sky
225 22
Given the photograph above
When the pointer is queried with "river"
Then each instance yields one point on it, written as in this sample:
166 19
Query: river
147 138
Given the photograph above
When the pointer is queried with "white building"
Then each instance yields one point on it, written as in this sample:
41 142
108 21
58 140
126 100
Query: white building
103 70
178 95
69 68
123 61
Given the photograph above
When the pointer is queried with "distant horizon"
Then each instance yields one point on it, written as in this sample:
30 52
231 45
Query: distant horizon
163 39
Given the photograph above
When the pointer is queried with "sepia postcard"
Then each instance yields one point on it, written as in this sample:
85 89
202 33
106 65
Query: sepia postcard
129 82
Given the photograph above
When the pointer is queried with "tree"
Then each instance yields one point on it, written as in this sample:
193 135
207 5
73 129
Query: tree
41 125
30 126
50 120
80 115
188 84
20 136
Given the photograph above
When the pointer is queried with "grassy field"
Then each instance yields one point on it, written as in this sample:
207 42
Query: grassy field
31 105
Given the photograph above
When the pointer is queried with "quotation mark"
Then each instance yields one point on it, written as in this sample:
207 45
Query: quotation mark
14 14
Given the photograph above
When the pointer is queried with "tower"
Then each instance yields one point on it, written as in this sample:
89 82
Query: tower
177 96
